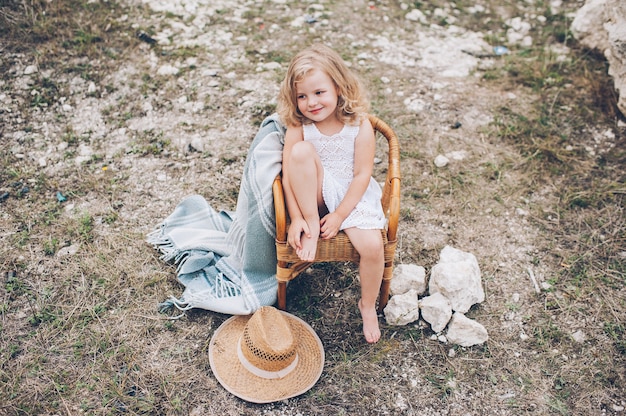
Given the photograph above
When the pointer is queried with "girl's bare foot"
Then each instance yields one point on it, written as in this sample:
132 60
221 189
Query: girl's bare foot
309 244
370 323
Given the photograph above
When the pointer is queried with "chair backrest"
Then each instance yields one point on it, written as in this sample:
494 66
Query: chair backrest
391 188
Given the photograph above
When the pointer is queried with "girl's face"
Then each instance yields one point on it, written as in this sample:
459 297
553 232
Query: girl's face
316 96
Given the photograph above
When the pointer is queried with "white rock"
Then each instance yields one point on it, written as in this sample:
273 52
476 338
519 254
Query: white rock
415 105
402 309
436 309
441 161
416 15
521 212
68 251
579 336
197 142
30 69
407 277
601 25
457 277
465 331
167 70
587 25
268 66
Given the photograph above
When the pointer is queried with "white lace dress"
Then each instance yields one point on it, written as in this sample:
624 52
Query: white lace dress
337 155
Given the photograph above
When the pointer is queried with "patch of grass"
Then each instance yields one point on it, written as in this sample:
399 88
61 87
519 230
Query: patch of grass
51 246
444 383
42 24
617 332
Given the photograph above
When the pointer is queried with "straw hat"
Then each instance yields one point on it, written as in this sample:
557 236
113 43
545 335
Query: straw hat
266 357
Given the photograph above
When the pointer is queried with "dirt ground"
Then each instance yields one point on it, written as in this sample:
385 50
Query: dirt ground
98 147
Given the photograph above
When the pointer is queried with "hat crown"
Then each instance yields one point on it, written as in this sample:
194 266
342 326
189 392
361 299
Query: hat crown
267 341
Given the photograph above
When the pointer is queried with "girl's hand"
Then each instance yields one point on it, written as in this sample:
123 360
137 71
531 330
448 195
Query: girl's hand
294 235
330 225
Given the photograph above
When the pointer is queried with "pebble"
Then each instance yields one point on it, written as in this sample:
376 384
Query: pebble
68 251
167 70
30 69
579 336
441 161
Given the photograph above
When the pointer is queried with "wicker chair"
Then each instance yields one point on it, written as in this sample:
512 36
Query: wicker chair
339 248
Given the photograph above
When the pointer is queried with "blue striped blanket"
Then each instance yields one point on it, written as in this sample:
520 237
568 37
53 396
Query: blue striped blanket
227 260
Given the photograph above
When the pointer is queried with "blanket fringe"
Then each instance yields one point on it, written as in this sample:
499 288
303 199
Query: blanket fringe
179 304
163 244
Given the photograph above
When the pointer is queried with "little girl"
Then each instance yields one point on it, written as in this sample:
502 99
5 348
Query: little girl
328 160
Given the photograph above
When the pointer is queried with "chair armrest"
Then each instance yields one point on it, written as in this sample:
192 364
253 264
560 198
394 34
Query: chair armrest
394 209
280 210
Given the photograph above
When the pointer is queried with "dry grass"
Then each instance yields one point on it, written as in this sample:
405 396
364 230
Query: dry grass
80 333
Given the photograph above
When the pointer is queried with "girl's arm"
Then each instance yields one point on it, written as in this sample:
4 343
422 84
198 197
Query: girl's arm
364 150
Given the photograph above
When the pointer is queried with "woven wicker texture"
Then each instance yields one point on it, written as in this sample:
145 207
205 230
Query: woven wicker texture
339 248
234 377
267 340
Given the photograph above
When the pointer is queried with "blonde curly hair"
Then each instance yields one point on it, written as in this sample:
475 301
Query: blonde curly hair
352 103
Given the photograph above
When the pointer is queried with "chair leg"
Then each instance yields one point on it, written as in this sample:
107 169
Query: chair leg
282 295
384 295
383 298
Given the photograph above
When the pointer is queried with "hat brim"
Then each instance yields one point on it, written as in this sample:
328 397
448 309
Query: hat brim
236 379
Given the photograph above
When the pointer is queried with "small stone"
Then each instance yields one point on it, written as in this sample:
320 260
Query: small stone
441 161
30 69
521 212
68 251
167 70
579 336
416 15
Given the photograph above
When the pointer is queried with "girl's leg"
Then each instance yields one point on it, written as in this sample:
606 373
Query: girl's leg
369 244
306 182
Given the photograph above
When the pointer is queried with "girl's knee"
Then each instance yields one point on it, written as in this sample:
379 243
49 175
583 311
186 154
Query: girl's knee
372 249
302 151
